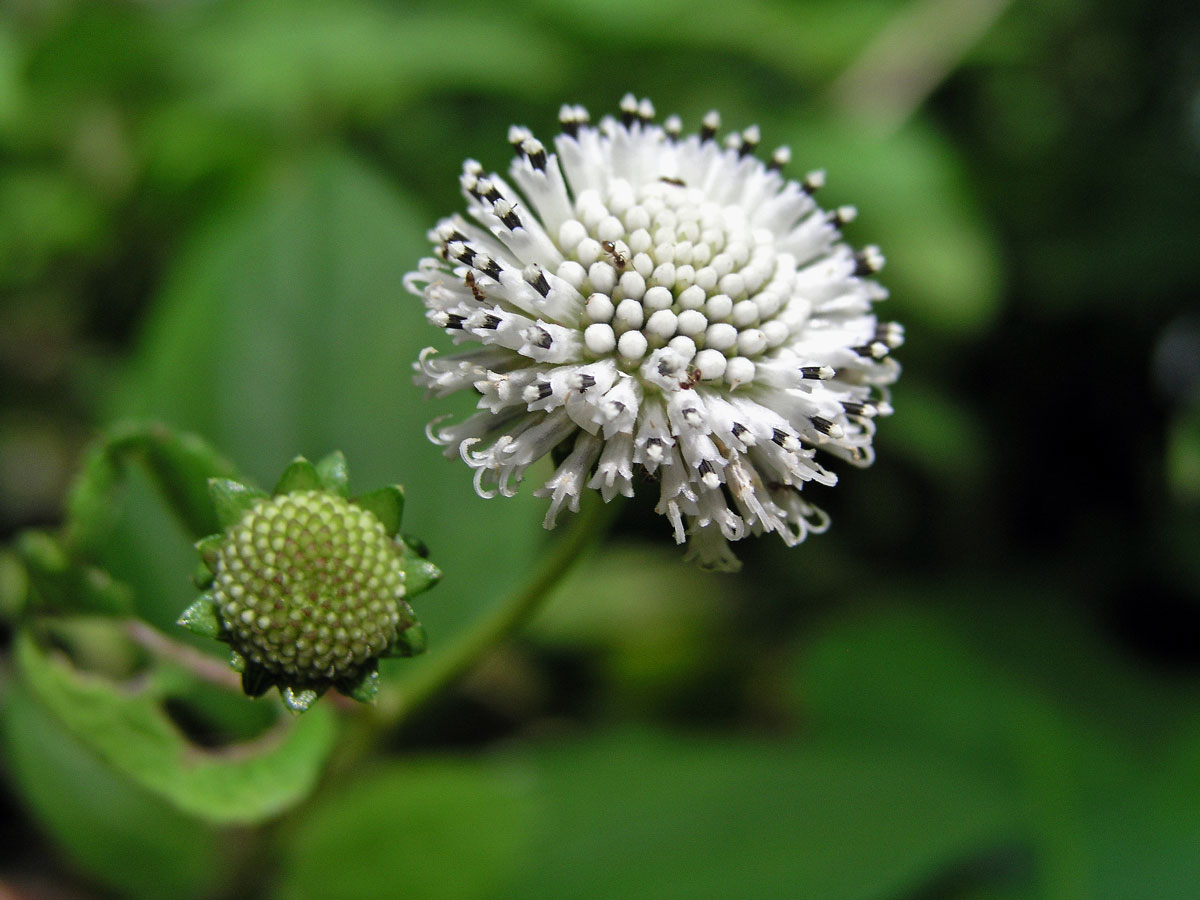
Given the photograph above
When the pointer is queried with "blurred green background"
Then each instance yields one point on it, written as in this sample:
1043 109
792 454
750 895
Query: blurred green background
982 684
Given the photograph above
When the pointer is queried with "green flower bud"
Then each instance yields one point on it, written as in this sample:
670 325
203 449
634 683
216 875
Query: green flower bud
308 587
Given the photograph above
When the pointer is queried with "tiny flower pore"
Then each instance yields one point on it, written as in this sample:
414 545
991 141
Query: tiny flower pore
644 305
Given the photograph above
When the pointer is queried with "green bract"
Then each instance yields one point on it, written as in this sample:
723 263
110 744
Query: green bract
309 587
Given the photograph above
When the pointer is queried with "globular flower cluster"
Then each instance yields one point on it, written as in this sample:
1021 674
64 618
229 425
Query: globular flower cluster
641 303
309 588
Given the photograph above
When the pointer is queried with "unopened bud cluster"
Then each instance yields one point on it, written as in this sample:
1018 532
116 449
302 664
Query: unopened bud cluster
309 586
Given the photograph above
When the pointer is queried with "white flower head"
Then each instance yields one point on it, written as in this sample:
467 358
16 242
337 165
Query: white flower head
648 306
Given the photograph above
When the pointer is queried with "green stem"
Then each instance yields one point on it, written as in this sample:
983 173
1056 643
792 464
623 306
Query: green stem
588 526
441 669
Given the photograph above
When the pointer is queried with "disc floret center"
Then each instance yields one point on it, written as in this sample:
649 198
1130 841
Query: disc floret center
309 586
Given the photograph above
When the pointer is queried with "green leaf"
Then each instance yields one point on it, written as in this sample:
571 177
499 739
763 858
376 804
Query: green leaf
284 329
435 829
43 554
49 214
120 833
130 732
150 550
67 585
642 815
12 80
1143 831
182 466
386 504
634 814
300 475
761 30
14 585
90 503
909 674
353 58
1101 821
179 464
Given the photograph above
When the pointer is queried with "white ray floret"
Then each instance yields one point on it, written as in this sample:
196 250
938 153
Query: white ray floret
644 304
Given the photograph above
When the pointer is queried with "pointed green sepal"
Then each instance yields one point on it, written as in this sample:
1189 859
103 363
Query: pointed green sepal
232 500
300 475
419 574
417 545
297 701
334 474
209 549
256 680
201 617
365 689
387 505
202 576
410 642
